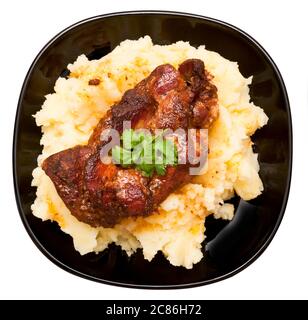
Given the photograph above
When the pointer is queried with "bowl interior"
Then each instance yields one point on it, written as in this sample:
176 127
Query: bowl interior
230 246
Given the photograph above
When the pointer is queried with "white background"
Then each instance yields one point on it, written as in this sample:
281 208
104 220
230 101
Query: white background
280 26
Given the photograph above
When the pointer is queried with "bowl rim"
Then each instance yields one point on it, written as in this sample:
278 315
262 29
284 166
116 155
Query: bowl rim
71 270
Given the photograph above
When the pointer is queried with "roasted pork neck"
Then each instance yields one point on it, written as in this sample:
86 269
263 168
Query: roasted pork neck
102 194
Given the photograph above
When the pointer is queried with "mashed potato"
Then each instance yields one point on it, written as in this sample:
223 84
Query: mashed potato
69 115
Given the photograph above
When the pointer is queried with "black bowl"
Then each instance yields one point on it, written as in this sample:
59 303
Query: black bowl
231 246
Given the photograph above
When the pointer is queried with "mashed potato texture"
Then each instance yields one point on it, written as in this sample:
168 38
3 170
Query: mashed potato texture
69 115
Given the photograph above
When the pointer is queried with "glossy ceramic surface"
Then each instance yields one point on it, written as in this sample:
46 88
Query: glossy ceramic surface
230 246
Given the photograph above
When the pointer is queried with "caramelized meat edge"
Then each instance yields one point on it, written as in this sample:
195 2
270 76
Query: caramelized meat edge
103 194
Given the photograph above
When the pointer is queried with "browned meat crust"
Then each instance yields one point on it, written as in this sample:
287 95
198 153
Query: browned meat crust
103 194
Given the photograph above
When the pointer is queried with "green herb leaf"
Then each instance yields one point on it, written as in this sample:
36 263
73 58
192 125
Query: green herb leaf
145 152
127 138
170 152
121 156
116 154
160 169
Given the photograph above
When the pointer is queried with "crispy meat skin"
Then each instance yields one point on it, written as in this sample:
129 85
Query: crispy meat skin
103 194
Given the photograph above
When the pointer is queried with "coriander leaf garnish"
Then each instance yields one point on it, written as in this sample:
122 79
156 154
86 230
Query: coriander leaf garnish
146 152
